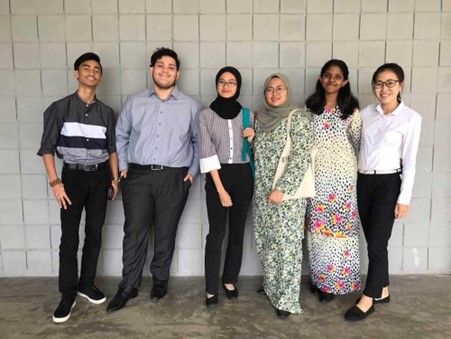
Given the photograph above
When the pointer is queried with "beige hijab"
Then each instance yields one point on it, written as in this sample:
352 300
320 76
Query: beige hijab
270 117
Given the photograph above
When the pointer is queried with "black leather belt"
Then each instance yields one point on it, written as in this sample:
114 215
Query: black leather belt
85 167
149 167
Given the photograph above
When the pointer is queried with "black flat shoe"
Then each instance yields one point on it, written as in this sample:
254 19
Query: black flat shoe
356 314
313 289
385 300
325 297
211 301
121 298
282 314
231 294
261 291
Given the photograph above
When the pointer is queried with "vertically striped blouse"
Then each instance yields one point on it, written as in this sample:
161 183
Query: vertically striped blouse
221 140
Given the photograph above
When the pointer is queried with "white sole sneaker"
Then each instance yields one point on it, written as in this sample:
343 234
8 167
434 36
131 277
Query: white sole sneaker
97 302
61 320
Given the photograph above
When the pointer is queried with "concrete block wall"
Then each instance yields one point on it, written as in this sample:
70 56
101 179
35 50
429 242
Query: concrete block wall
40 39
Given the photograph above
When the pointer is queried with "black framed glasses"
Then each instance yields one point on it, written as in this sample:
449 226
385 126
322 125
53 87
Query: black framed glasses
389 84
230 84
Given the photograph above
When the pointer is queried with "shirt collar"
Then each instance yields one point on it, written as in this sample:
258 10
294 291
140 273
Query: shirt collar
395 112
82 101
175 92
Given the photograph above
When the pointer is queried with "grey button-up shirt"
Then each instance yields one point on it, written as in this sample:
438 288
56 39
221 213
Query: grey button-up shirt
78 132
151 131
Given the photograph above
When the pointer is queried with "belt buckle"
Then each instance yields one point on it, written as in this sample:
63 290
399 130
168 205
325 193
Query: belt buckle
90 167
156 167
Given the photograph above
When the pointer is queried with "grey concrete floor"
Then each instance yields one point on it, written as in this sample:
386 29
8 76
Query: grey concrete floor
420 308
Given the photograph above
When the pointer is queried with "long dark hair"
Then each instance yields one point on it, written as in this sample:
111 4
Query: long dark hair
346 101
395 68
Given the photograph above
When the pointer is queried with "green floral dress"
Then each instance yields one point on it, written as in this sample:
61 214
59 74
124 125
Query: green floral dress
279 229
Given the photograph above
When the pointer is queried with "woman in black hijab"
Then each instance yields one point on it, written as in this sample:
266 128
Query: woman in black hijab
225 156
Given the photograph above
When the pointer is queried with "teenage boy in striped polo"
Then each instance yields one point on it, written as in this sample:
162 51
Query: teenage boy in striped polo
80 129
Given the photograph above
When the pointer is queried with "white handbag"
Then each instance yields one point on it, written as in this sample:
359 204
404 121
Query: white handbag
307 187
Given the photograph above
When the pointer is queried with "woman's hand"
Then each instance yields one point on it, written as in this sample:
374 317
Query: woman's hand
401 211
249 133
226 201
275 197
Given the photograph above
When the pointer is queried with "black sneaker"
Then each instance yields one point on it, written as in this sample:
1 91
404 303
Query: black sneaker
93 294
62 312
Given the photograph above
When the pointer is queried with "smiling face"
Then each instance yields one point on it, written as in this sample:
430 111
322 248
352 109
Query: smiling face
387 96
227 85
89 73
164 72
333 80
276 93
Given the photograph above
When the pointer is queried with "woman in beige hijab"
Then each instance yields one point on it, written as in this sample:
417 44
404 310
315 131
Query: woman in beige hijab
278 223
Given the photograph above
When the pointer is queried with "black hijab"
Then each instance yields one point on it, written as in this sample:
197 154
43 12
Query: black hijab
227 108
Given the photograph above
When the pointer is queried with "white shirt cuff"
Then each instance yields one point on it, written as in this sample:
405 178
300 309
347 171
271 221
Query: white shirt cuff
209 164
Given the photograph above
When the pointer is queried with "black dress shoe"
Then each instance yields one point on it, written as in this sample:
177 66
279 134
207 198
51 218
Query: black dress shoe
121 298
325 297
211 301
231 294
356 314
282 314
159 289
385 300
261 291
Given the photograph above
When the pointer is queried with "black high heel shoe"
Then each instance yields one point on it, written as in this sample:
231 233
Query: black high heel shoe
211 301
231 294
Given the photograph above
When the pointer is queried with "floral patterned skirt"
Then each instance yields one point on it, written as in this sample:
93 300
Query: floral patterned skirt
334 263
279 232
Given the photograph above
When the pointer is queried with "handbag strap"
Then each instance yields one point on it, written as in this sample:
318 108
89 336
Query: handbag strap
286 151
246 117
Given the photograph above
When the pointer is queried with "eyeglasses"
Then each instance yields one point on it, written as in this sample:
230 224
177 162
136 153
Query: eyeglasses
229 84
271 90
388 83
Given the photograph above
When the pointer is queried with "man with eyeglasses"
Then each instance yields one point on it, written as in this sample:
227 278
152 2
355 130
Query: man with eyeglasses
158 149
